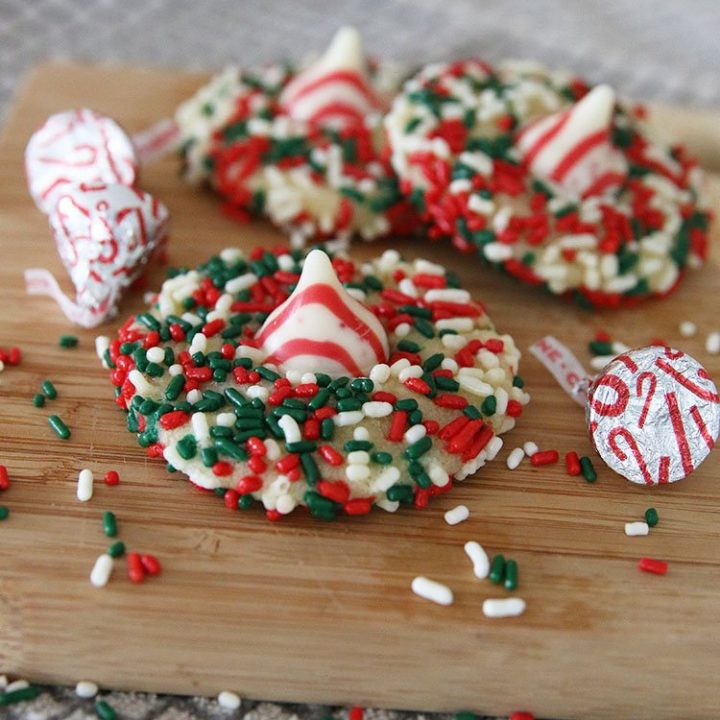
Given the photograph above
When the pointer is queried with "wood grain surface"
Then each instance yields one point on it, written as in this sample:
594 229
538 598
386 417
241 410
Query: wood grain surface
313 612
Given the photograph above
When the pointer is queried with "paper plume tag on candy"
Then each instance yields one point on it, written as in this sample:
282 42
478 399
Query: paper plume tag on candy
653 414
105 235
321 328
573 148
335 90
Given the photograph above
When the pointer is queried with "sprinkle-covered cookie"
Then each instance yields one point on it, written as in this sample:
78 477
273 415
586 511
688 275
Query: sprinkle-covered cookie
303 146
294 379
548 180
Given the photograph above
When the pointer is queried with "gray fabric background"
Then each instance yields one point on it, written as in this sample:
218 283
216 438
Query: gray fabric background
662 50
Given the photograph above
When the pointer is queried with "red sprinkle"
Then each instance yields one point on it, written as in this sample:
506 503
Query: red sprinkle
657 567
136 571
287 463
522 716
358 506
256 446
248 484
572 463
222 468
151 565
112 477
203 374
174 419
544 457
257 464
14 356
455 402
417 385
4 479
330 455
335 490
356 713
398 425
230 498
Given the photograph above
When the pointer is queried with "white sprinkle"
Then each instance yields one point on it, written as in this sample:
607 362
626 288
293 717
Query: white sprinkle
457 515
355 473
414 433
427 267
600 361
687 328
380 373
258 391
175 369
497 252
515 458
361 433
289 426
194 396
493 447
200 426
242 282
3 682
414 371
377 409
438 475
632 529
155 354
198 344
308 378
285 504
102 343
85 485
712 343
358 457
474 385
530 448
479 559
507 607
453 295
86 689
399 365
431 590
387 477
449 364
461 324
102 569
17 685
228 700
349 417
226 419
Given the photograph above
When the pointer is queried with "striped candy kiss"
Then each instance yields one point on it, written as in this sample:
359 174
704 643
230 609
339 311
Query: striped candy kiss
572 148
334 90
321 328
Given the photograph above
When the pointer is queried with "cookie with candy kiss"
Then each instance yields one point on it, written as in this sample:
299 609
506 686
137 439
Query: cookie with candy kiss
105 235
335 90
572 148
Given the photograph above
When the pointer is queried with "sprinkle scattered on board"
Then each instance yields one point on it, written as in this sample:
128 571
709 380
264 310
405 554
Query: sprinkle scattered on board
434 591
228 700
503 607
650 565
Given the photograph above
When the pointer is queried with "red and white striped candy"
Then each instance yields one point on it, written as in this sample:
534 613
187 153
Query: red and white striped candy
653 415
321 328
573 148
334 90
73 147
105 235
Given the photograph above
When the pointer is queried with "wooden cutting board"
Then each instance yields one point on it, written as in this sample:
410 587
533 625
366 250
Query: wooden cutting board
306 611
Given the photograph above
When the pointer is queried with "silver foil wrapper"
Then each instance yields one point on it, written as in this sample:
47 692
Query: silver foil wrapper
653 415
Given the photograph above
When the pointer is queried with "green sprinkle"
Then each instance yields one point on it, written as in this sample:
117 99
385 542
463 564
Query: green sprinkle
28 693
49 390
229 448
187 447
446 383
587 469
433 362
489 405
511 575
407 404
310 468
518 382
150 322
38 400
600 347
466 715
246 501
651 517
497 569
353 445
4 512
60 428
319 506
302 446
105 711
117 549
472 412
381 458
267 374
424 327
208 456
365 385
109 524
418 448
68 341
400 493
327 429
408 346
174 387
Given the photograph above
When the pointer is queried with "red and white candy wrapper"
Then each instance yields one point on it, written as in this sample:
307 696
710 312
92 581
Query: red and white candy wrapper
105 235
73 147
653 414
